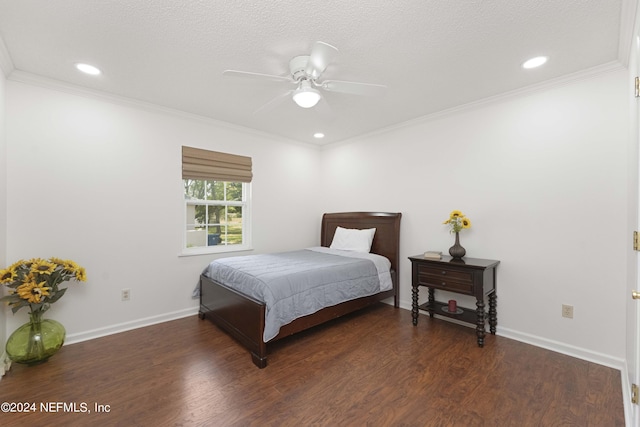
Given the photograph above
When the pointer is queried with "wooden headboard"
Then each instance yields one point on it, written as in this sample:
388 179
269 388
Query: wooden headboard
386 241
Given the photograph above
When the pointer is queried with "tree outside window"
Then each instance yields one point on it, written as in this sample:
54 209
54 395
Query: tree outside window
215 213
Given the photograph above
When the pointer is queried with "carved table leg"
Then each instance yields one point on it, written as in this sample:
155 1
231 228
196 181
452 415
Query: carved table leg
414 304
493 313
480 314
432 302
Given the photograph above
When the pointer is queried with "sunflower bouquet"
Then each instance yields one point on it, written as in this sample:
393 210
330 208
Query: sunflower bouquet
457 221
36 282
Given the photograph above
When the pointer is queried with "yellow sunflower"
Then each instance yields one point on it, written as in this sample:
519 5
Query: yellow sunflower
81 274
16 265
33 292
34 282
43 267
29 277
8 275
70 266
32 261
58 261
457 221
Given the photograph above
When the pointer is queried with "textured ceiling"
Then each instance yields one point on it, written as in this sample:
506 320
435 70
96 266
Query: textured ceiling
432 54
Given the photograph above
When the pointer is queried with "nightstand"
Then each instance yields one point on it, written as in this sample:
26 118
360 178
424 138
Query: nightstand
468 276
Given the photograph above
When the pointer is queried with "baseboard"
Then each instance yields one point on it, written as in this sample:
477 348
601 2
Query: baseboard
626 396
558 347
569 350
127 326
5 364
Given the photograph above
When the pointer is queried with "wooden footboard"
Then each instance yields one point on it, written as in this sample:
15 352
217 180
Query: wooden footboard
243 317
238 314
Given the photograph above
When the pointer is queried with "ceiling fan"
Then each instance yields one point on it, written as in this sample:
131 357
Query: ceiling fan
305 72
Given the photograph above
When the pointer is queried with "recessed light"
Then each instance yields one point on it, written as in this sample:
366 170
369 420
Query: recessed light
89 69
535 62
318 135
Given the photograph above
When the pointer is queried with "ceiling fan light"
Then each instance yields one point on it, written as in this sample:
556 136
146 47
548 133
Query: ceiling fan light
306 96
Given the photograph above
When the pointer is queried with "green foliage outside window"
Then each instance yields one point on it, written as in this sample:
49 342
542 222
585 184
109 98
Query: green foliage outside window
217 209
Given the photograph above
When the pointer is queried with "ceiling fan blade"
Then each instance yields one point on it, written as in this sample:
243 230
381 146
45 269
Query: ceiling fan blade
273 103
353 88
259 76
321 56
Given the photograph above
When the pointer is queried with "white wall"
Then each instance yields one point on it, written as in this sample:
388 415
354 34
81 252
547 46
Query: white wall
543 178
100 183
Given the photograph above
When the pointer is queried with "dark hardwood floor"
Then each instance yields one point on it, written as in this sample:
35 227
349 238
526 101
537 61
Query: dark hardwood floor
371 368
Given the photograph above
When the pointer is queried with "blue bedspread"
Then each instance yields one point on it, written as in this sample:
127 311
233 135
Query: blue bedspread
298 283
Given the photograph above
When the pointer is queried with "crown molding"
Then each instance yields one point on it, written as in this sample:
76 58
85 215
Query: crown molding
35 80
60 86
628 15
539 87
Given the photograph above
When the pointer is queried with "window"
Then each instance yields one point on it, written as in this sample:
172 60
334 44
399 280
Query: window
217 201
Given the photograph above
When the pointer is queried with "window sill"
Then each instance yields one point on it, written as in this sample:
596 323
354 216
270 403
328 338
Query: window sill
214 250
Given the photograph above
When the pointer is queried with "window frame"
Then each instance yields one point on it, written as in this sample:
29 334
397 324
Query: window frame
245 203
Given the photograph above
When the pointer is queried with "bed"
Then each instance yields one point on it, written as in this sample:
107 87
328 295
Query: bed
243 316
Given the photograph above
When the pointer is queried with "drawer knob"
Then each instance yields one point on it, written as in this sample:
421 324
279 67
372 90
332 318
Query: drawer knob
444 283
444 272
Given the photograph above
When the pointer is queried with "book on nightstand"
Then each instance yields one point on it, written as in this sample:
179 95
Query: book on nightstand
433 254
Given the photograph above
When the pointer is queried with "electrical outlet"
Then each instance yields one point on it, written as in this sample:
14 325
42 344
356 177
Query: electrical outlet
126 294
567 311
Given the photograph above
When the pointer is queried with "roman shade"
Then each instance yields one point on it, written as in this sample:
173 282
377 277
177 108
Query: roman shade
215 166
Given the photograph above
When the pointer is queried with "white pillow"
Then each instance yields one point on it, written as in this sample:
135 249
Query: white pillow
352 239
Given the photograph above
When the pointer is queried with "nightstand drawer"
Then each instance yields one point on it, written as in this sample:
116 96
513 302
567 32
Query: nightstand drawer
458 276
442 278
445 284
